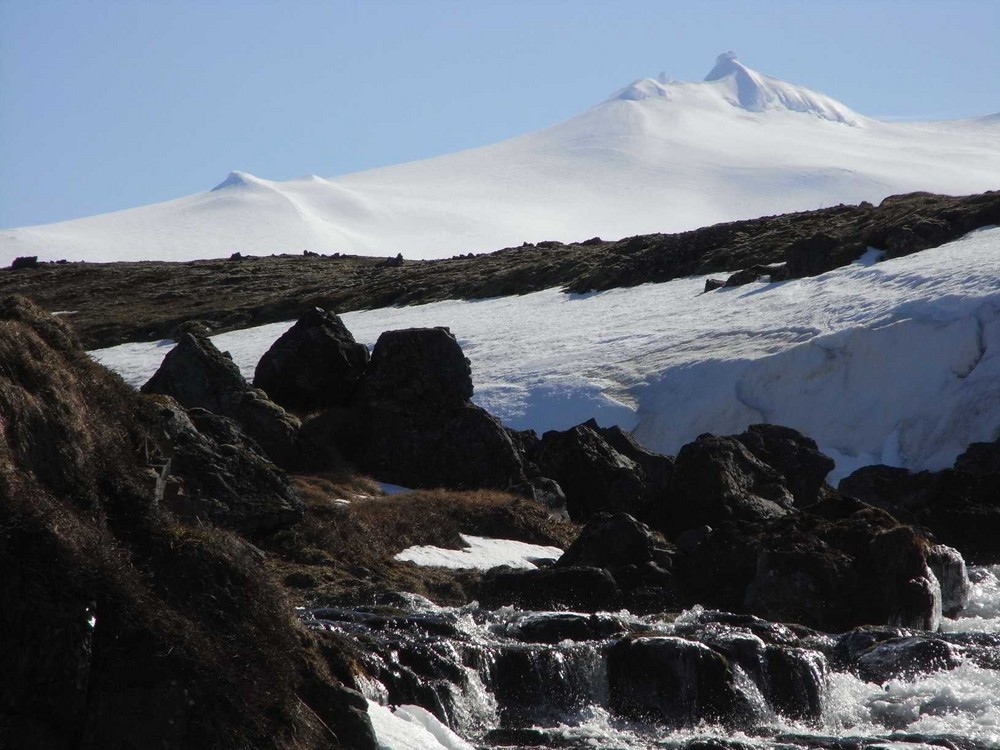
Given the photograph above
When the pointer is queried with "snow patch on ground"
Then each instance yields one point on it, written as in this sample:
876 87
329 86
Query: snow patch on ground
412 728
880 362
481 554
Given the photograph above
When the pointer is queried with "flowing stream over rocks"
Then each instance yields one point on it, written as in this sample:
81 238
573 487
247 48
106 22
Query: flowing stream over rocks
699 680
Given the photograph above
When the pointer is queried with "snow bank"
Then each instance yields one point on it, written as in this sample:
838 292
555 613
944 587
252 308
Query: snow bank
894 362
481 554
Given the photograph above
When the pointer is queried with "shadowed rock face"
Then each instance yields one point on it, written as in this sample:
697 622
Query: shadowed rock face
417 370
411 421
223 477
314 364
198 375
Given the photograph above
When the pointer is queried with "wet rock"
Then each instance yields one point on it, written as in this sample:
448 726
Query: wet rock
676 682
223 477
594 476
717 479
540 685
576 588
550 627
910 592
314 364
198 375
904 658
796 680
950 571
417 369
795 456
826 574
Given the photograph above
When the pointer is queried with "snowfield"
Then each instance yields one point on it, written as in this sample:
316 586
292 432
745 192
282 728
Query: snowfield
891 362
658 156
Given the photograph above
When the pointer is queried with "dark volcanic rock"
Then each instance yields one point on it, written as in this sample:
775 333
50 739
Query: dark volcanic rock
412 423
314 364
594 476
462 447
223 477
578 589
717 479
417 369
826 573
820 253
616 540
25 261
676 682
960 508
796 457
198 375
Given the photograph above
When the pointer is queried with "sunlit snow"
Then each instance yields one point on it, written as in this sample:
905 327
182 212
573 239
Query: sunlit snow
481 554
893 361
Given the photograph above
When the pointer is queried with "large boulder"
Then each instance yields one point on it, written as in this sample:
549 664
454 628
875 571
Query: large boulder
315 364
215 473
417 369
617 540
412 423
796 457
676 682
717 479
594 476
832 573
197 375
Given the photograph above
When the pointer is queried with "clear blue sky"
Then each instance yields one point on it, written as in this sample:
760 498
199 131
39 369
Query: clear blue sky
109 104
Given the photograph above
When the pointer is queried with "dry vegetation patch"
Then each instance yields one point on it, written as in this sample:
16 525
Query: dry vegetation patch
343 551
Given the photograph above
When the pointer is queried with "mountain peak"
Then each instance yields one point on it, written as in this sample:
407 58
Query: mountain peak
735 84
725 64
756 92
237 179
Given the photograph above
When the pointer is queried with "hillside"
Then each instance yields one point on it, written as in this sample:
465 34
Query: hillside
113 303
657 156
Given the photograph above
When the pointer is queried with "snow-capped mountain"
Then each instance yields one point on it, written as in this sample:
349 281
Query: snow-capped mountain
658 156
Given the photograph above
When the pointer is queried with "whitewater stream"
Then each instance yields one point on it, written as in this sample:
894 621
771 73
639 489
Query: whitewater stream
473 678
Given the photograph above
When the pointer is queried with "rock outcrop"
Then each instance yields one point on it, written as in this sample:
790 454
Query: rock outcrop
411 421
198 375
214 472
313 365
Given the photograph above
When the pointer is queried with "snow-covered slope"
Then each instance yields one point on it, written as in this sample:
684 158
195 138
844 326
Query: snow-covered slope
658 156
881 362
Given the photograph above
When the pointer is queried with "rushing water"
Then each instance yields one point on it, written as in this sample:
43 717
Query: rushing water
468 677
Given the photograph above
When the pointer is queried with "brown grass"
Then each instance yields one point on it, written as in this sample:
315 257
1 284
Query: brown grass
347 550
